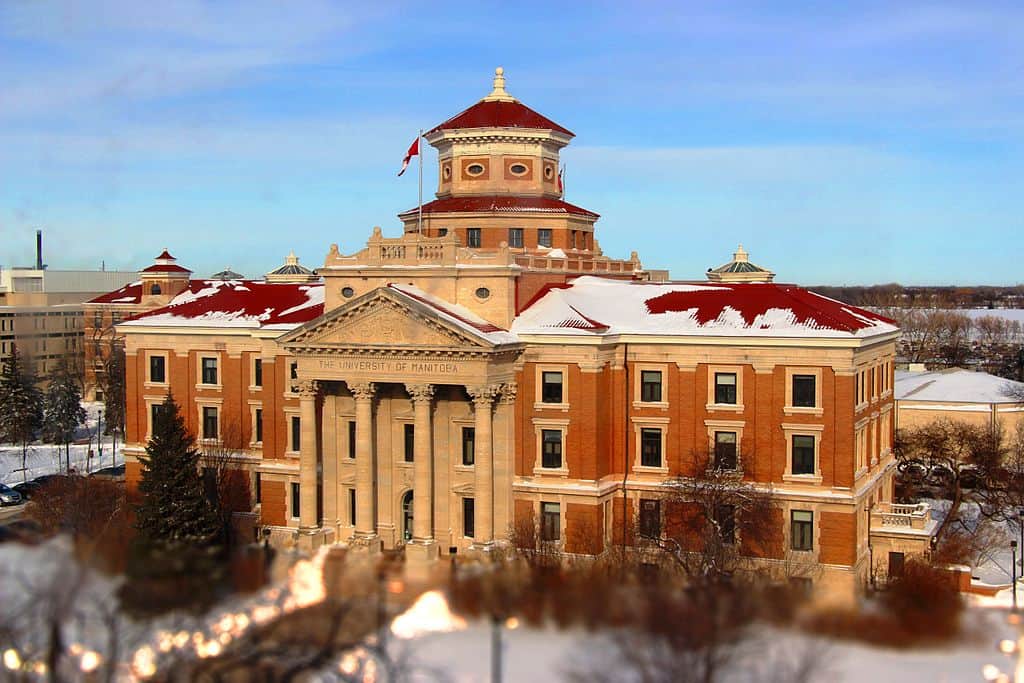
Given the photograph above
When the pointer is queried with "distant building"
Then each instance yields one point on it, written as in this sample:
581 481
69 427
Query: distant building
957 394
41 311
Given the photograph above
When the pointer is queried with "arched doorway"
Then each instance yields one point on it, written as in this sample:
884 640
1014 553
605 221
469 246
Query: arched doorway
407 516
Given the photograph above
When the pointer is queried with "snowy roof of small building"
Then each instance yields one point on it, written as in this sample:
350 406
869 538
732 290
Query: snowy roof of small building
129 294
593 305
502 203
227 274
953 385
500 110
238 303
459 315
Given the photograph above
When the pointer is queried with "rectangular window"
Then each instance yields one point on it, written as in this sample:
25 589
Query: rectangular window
725 450
293 371
515 238
804 391
296 501
552 444
650 518
155 411
801 530
296 433
157 369
725 388
352 506
550 521
803 454
650 386
209 370
209 422
896 563
352 439
472 237
650 447
409 432
258 426
258 488
544 237
551 387
257 372
725 519
468 520
468 445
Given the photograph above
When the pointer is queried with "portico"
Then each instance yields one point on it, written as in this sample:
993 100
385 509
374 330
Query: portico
398 399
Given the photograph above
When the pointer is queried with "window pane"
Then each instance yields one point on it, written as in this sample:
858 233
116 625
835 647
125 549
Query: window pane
544 237
725 388
515 237
803 454
725 518
410 442
551 387
209 371
801 530
257 373
209 423
650 447
725 450
550 522
156 369
473 237
296 434
259 425
650 386
352 439
803 391
468 445
552 445
468 518
650 518
296 499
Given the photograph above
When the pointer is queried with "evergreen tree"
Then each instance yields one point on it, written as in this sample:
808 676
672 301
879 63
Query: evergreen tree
177 553
62 408
20 405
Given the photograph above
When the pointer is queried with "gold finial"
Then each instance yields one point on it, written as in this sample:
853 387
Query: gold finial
499 94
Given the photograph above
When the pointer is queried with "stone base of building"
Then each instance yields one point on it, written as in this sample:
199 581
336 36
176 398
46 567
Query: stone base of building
421 552
312 539
368 545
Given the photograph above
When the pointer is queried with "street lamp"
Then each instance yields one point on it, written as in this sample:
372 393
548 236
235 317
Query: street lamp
1013 569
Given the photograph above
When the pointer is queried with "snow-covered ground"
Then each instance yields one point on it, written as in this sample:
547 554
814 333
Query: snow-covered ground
49 459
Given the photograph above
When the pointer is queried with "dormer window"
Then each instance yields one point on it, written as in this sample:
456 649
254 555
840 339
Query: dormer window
475 169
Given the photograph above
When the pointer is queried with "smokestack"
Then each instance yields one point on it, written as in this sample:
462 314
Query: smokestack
39 249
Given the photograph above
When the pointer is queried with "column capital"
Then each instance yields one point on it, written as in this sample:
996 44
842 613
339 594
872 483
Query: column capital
509 390
363 391
308 388
483 395
420 393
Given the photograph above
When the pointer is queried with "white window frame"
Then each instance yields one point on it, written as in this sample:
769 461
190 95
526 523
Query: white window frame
538 400
639 369
639 424
539 425
215 355
253 407
789 409
149 383
725 407
736 426
289 413
209 403
791 430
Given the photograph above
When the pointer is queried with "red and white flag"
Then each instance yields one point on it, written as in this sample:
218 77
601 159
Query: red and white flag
561 187
414 149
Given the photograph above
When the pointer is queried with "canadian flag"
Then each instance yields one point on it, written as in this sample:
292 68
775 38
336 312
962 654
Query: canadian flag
561 187
414 149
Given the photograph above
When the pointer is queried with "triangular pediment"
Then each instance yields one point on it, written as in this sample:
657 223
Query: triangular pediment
383 318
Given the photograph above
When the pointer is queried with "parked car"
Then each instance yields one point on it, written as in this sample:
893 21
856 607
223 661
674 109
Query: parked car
28 489
9 496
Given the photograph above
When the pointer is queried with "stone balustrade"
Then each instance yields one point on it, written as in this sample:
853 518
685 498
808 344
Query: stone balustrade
914 516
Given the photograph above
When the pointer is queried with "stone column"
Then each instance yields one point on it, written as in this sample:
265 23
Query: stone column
483 467
308 460
423 545
366 512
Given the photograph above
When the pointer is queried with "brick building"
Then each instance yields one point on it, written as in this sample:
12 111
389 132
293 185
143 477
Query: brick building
491 368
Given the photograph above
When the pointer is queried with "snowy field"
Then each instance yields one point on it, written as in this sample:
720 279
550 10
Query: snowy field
49 459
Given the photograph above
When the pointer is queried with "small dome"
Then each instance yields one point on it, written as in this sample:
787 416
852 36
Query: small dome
740 269
227 274
292 271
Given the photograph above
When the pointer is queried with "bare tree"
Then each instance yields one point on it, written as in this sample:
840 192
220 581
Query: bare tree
226 477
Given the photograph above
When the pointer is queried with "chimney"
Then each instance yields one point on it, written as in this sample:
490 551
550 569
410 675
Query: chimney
39 249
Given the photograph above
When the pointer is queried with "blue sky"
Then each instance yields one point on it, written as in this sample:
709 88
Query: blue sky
839 142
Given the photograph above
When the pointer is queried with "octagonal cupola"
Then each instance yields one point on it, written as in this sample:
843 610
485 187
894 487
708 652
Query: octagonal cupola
740 269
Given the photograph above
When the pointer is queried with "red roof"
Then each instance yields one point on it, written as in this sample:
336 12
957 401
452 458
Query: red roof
751 300
165 268
480 325
165 255
504 203
500 114
129 294
239 303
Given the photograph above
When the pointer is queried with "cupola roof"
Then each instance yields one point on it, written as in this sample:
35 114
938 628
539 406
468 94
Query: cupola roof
165 263
740 269
291 271
500 110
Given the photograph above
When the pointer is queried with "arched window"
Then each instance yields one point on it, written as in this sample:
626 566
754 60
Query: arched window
407 516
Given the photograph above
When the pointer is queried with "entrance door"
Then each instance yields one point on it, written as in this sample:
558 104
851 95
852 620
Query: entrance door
895 565
407 516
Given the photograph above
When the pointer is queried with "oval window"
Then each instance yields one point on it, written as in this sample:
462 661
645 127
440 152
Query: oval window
447 172
347 292
549 172
518 169
482 293
475 169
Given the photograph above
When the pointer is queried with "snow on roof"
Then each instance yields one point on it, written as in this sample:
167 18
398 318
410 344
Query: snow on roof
459 315
595 305
238 303
953 385
129 294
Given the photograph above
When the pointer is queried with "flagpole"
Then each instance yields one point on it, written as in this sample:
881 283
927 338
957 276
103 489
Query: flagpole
419 149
